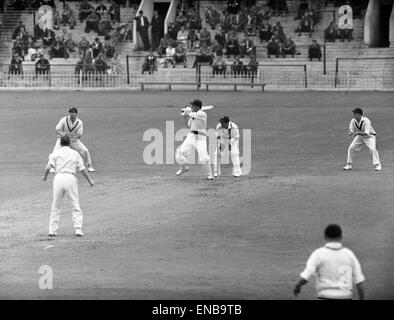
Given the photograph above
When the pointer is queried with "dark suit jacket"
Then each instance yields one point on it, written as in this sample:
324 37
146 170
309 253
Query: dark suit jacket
146 23
157 24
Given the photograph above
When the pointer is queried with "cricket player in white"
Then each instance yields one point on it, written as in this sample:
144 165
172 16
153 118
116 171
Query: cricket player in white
361 128
336 269
72 126
196 120
65 161
227 134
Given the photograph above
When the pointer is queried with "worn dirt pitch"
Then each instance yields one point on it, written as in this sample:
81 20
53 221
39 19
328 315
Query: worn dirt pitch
151 235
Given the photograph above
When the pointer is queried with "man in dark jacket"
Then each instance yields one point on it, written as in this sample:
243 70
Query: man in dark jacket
142 28
157 29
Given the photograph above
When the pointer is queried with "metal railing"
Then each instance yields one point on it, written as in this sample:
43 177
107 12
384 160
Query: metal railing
184 79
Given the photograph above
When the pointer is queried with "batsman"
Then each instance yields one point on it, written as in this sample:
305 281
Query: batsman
227 134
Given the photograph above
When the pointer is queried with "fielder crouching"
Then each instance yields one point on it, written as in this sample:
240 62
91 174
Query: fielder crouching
72 127
227 133
196 120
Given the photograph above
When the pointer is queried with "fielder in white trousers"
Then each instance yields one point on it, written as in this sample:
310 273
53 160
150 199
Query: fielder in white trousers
66 162
360 127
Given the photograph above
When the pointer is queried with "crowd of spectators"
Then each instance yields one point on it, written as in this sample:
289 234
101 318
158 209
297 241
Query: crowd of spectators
58 42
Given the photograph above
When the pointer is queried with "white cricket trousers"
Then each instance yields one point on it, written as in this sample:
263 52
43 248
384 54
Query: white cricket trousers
78 146
234 153
358 143
65 184
198 142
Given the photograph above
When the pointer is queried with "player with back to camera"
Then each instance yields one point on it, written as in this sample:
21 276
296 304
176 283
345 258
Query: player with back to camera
65 161
72 127
195 119
227 134
336 268
365 135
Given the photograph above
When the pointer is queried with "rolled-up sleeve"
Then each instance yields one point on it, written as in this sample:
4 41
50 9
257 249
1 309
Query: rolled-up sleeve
51 161
80 164
358 276
311 266
351 126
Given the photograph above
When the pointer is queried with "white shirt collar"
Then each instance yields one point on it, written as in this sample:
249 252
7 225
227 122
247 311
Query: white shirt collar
333 245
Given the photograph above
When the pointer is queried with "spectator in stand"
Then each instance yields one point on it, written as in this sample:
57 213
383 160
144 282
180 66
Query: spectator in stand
58 50
331 32
170 51
305 25
226 23
288 47
314 51
48 37
219 65
70 44
217 49
100 10
281 8
194 20
220 37
15 66
100 65
205 37
346 31
42 66
247 47
64 35
56 20
278 31
108 48
85 9
265 31
92 21
68 17
180 21
194 42
302 8
164 43
123 32
116 65
252 66
204 56
150 63
238 22
19 47
142 29
18 28
232 47
97 47
104 25
83 44
172 30
157 25
32 47
250 22
238 67
182 37
212 17
180 55
114 11
273 47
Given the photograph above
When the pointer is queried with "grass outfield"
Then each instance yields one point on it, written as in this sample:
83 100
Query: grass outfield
152 235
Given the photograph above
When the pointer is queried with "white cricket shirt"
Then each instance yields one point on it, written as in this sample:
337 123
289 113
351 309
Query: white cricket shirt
66 160
336 269
70 128
364 126
198 121
232 132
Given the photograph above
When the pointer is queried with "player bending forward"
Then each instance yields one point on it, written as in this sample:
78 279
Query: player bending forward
196 120
65 161
361 128
72 127
227 134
